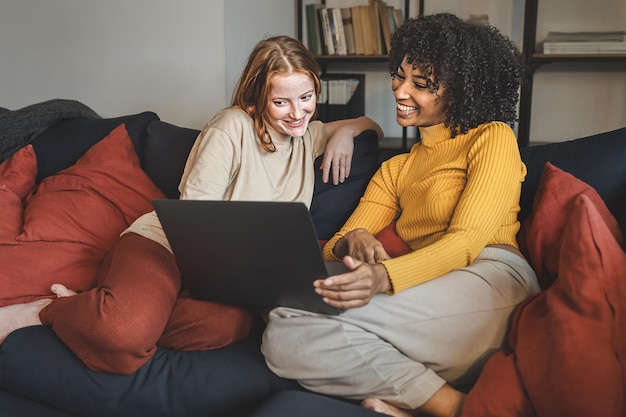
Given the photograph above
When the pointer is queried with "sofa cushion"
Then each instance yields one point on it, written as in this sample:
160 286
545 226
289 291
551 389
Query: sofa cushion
165 154
541 233
17 179
597 160
567 346
60 145
499 390
95 199
333 204
307 404
575 329
226 382
73 218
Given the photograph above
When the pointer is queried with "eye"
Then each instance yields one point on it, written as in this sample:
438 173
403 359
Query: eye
307 97
279 103
397 75
420 86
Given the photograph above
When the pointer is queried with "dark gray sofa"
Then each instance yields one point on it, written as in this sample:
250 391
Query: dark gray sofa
39 376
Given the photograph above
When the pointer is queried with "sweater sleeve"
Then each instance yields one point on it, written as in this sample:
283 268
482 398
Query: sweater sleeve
494 176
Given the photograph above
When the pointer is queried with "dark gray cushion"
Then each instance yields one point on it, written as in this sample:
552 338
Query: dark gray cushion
599 160
333 204
230 381
165 154
307 404
61 145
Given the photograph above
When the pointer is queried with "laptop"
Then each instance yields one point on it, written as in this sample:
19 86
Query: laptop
248 253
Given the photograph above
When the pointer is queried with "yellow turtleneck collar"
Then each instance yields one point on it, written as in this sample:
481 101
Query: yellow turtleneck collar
432 135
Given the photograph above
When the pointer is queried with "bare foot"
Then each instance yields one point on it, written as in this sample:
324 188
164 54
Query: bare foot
61 290
18 316
383 407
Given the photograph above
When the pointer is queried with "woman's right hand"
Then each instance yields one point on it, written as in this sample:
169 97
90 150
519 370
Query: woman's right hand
362 246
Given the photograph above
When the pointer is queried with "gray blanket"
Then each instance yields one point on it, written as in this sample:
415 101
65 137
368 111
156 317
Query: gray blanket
19 127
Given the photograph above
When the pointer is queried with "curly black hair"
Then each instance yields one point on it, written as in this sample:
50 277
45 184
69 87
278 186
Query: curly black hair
480 68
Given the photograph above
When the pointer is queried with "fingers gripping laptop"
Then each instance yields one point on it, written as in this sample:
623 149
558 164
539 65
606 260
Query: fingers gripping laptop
250 253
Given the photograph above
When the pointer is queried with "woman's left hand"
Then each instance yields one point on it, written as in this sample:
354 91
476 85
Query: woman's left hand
355 288
338 158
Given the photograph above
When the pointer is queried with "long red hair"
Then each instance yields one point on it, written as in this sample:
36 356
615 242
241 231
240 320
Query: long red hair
271 56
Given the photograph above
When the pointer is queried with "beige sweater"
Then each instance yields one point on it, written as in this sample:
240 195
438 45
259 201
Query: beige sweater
227 162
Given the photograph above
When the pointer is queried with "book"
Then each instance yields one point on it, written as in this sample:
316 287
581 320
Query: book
584 47
398 17
392 20
327 35
344 97
348 29
366 25
357 26
598 36
383 14
375 31
337 30
313 36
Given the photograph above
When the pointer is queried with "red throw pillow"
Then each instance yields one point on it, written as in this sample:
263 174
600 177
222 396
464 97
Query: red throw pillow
73 218
393 244
540 235
499 390
569 340
390 240
17 179
95 199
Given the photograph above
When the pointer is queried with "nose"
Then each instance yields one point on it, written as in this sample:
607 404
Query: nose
296 111
400 88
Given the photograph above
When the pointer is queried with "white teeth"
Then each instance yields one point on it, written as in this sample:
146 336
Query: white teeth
405 109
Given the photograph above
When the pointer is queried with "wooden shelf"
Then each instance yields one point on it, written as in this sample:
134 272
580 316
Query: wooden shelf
535 60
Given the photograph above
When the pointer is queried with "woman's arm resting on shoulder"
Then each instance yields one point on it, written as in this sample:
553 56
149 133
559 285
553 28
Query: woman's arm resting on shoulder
340 146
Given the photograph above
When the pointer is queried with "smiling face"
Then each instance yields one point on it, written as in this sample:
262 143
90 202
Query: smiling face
292 103
417 103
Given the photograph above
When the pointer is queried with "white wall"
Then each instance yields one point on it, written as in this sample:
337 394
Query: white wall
116 56
181 59
262 18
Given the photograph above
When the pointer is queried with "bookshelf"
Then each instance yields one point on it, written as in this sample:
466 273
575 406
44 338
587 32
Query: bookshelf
338 61
535 60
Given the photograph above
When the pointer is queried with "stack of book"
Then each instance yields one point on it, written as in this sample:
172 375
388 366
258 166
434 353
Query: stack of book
356 30
603 42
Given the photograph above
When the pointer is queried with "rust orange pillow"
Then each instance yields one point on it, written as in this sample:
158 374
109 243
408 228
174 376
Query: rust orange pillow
17 179
73 218
569 340
499 390
390 240
540 235
95 199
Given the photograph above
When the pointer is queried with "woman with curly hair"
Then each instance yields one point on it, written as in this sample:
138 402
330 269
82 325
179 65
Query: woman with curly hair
416 329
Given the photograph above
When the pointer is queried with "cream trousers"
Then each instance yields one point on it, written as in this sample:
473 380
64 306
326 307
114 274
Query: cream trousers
404 347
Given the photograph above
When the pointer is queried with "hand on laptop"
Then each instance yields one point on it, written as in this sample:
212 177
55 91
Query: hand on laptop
355 288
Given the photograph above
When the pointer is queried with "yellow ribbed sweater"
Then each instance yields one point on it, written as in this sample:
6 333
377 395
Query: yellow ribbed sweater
450 197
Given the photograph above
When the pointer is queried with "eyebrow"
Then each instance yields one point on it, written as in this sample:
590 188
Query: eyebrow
311 91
